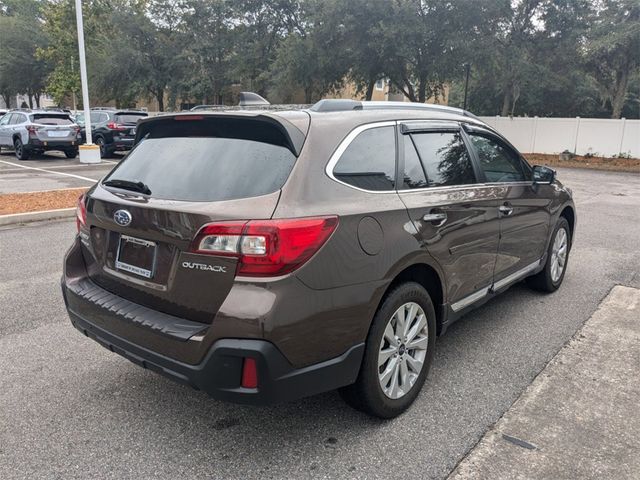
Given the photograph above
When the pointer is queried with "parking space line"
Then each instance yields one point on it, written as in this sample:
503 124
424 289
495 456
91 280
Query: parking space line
87 179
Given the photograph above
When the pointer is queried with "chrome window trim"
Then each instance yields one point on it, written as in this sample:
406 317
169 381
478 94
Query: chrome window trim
335 157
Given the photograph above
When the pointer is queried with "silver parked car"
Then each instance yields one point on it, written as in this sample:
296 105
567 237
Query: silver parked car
30 132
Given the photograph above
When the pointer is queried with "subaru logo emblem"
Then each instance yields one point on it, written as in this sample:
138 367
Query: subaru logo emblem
122 218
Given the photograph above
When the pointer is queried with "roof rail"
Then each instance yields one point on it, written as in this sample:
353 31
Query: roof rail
341 105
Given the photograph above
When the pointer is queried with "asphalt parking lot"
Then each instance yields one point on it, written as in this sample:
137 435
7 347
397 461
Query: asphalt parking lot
50 171
71 409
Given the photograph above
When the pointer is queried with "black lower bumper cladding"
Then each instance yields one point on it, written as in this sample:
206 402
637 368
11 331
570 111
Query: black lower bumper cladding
219 374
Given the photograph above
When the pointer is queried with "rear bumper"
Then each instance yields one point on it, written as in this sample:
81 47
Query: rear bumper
122 143
219 373
38 144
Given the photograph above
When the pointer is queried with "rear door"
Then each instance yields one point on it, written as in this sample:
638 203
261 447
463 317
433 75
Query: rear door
523 209
197 170
455 217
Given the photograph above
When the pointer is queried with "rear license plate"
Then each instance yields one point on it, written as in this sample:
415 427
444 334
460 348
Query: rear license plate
63 133
136 256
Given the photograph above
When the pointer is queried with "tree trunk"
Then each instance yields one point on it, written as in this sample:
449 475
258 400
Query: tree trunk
369 93
30 99
160 97
37 97
6 97
422 89
617 103
506 102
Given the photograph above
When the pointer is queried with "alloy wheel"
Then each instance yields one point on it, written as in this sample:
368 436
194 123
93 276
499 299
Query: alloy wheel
403 350
559 254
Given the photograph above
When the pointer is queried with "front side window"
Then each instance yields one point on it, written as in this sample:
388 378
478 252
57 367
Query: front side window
369 162
499 163
445 158
6 119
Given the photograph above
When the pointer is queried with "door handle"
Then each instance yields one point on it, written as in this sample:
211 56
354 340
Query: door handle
506 210
435 217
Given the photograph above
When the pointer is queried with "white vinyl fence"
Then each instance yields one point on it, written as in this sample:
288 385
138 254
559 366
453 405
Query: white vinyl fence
598 136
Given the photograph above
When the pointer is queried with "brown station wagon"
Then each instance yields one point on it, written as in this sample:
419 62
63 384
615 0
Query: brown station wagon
263 256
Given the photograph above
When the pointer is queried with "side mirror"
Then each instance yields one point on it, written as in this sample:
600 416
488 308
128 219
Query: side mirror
543 175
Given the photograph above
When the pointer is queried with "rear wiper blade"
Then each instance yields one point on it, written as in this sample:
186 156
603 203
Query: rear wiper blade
128 185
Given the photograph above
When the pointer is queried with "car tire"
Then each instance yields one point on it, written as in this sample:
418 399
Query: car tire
20 150
73 153
104 151
373 391
550 277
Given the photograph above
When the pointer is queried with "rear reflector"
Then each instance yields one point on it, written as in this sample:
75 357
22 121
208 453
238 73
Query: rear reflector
249 373
266 248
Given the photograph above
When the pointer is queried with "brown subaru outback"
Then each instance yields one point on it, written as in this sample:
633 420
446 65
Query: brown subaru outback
266 256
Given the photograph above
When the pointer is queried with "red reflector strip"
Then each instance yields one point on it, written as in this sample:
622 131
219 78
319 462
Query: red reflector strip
249 373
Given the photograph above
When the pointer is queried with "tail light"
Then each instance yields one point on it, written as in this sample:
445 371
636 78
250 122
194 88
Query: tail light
32 130
115 126
81 212
266 248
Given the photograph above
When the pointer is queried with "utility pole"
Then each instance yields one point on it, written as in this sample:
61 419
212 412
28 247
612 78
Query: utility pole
467 67
89 153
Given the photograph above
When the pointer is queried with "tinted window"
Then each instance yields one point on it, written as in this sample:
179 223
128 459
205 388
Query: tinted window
369 162
498 162
414 175
95 117
128 117
51 119
445 158
206 168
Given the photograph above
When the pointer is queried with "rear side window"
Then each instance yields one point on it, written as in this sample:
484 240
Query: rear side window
445 158
17 118
498 162
128 117
206 168
46 119
414 174
369 162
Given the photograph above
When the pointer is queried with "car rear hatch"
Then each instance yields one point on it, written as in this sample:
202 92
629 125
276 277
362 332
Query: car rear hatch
53 127
138 242
124 124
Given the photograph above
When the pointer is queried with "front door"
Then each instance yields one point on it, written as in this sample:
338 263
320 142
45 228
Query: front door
456 219
524 211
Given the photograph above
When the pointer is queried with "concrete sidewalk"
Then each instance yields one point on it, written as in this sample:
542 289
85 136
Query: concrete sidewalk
580 418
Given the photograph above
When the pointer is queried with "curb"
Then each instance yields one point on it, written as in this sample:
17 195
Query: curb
16 218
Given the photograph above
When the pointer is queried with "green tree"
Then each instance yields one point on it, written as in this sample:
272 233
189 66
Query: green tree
613 50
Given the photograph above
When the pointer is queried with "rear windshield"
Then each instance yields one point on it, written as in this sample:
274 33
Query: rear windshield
206 168
129 117
48 119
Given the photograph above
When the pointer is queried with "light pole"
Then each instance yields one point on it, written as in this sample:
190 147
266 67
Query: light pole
467 67
89 153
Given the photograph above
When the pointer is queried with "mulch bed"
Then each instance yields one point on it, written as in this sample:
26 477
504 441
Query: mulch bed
597 163
36 201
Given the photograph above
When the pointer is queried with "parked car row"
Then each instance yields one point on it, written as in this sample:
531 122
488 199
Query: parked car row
33 132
